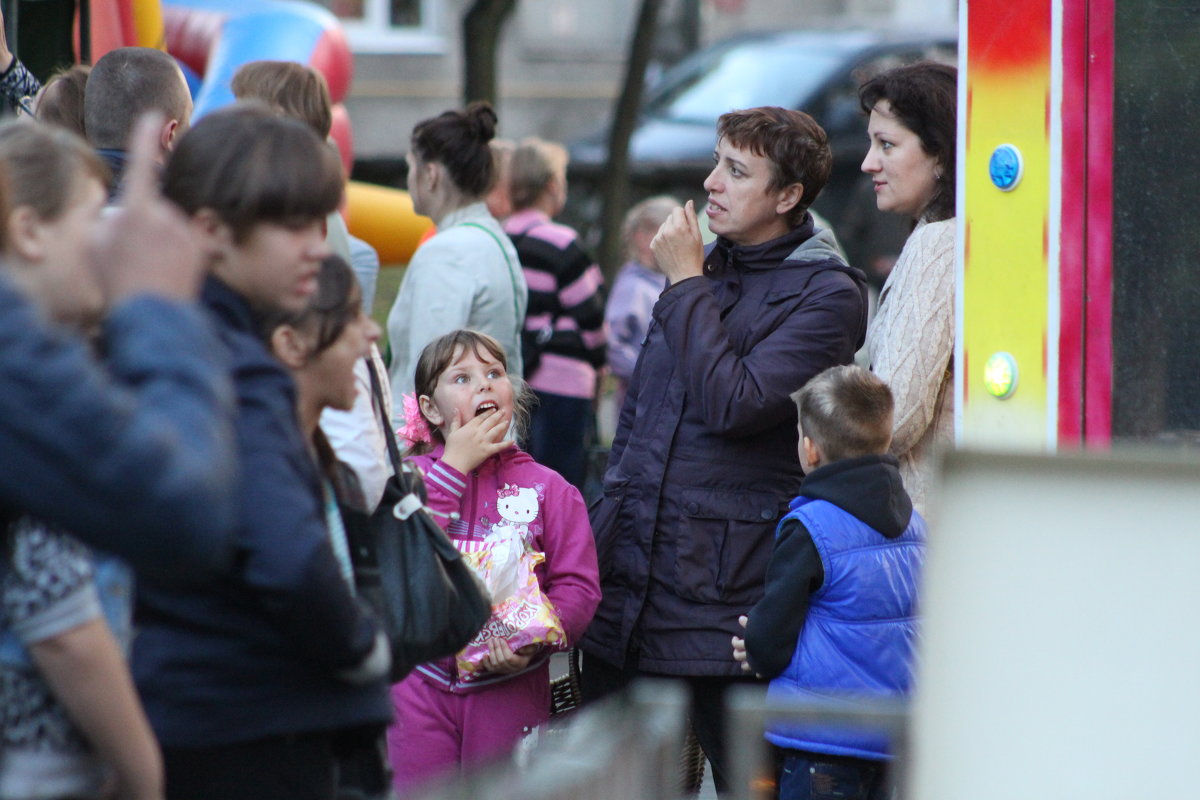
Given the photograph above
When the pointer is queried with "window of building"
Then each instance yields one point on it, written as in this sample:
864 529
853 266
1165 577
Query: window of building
391 26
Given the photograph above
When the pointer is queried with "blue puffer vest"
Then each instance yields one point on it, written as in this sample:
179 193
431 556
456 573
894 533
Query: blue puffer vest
861 627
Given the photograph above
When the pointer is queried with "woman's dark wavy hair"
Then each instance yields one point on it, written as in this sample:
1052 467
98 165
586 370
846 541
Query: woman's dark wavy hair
335 304
250 165
458 140
924 98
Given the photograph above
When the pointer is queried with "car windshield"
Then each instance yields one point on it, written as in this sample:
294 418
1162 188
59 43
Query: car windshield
745 76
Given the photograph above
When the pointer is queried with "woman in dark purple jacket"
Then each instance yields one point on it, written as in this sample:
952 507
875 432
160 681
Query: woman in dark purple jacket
705 457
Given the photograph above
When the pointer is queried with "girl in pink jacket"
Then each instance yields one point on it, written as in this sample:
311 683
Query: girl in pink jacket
479 484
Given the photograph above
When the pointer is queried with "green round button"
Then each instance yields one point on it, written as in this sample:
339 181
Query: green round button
1000 375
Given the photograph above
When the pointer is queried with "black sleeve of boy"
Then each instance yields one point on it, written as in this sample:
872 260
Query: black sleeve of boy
774 624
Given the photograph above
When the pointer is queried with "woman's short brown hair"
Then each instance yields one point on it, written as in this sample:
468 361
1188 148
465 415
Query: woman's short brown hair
292 89
792 141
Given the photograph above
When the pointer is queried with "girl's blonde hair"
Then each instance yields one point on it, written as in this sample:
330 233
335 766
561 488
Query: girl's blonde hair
439 355
534 164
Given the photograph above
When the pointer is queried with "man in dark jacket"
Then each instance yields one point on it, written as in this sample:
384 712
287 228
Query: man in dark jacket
122 86
705 457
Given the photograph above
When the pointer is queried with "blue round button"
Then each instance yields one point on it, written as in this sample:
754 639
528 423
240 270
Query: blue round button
1005 167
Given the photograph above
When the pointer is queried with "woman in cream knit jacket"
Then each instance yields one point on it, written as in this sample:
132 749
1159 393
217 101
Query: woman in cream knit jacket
911 161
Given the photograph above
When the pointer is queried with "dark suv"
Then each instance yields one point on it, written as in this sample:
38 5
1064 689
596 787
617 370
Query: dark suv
817 71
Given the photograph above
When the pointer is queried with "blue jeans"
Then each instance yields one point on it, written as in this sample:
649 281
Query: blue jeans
815 776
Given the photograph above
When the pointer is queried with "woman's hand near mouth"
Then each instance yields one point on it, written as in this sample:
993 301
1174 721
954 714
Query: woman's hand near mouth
470 443
678 247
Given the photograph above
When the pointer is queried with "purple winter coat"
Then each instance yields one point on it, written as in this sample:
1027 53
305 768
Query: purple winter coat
705 457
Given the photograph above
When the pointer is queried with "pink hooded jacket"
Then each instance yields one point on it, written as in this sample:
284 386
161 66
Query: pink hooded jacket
557 520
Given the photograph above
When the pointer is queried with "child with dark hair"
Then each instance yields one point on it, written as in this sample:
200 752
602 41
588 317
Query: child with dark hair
356 433
321 347
487 493
256 686
838 615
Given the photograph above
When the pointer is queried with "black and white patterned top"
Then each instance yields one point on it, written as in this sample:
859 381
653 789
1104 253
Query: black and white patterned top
15 83
46 588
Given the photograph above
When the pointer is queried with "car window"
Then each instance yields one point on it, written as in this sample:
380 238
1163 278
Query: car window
840 111
745 77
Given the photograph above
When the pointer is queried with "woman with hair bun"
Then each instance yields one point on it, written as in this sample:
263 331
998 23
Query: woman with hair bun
911 160
467 275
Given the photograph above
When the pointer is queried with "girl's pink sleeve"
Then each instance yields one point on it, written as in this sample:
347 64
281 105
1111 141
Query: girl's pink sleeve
445 487
572 578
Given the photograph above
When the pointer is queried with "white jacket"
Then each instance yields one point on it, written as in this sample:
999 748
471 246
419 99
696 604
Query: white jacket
466 276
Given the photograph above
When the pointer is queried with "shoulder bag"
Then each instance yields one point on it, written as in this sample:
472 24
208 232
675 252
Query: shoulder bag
407 569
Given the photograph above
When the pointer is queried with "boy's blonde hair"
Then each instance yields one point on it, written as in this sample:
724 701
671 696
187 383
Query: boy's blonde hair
847 412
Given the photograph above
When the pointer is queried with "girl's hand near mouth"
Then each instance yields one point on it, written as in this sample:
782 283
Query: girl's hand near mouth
470 443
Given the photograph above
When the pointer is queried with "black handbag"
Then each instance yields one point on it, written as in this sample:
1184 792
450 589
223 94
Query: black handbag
407 569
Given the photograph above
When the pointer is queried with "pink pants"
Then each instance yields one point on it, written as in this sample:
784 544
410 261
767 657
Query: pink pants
436 733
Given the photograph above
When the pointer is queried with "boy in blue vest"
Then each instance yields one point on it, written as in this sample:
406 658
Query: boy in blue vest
838 616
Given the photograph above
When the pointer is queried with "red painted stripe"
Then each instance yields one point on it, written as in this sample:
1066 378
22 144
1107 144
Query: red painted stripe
1073 214
1046 116
1097 428
1005 35
970 101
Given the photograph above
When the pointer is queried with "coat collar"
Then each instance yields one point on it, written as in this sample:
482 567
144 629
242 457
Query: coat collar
229 306
767 255
475 212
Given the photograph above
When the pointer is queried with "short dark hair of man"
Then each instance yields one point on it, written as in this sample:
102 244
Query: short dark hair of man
295 90
249 165
126 83
792 141
847 412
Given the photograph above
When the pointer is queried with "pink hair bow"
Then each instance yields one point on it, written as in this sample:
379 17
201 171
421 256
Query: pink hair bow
415 428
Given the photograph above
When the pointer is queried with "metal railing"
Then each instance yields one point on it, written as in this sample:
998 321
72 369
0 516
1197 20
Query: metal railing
623 748
749 714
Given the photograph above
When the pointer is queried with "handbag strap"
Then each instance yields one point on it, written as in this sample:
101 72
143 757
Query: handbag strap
400 468
511 274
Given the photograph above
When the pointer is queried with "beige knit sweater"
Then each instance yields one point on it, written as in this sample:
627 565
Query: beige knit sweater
911 344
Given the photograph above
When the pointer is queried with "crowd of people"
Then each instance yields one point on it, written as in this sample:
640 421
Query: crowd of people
193 401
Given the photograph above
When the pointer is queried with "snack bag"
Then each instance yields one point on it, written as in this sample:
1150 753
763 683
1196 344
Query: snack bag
521 612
